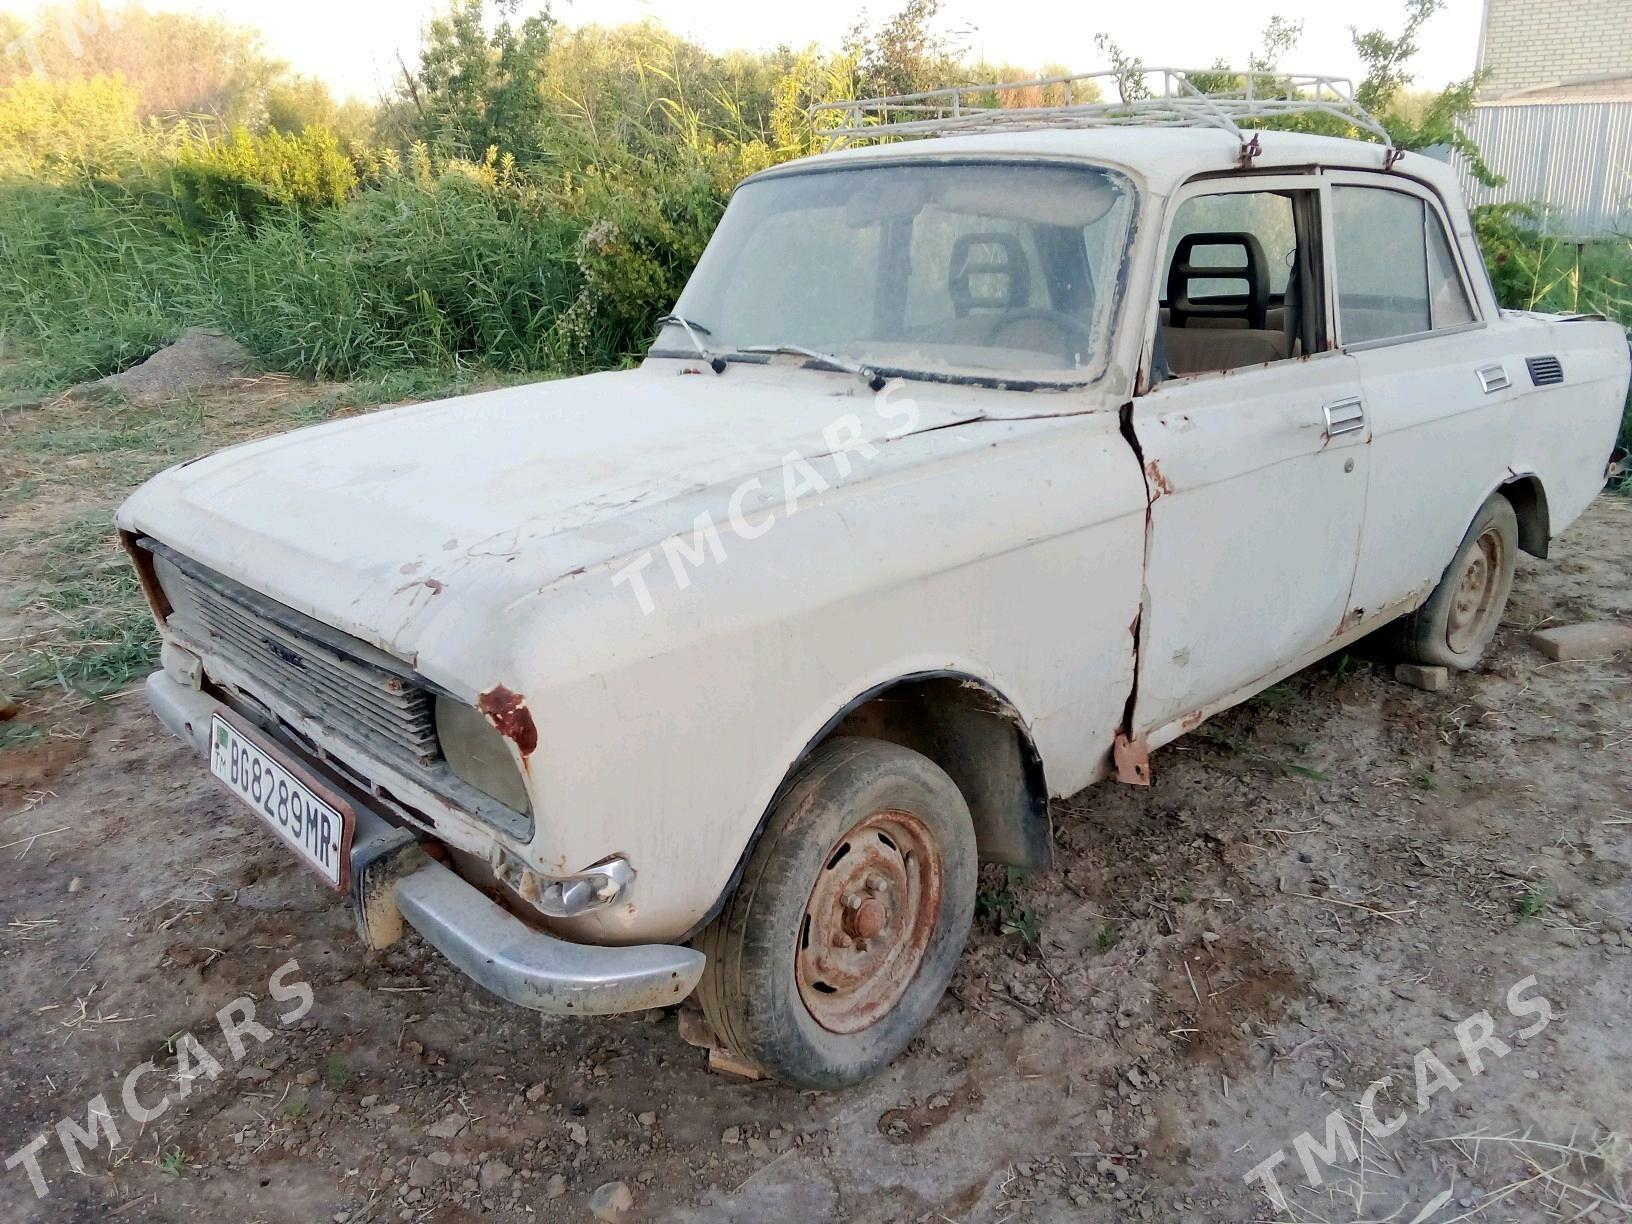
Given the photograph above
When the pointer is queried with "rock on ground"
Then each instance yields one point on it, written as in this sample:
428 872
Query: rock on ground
611 1201
1595 640
1428 679
199 359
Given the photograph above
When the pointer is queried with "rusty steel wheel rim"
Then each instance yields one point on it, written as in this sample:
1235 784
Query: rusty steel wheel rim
868 922
1474 602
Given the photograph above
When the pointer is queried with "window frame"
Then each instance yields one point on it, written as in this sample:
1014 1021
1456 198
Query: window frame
1239 183
1433 207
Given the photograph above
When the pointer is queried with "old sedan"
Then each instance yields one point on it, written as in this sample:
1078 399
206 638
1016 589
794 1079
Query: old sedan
967 471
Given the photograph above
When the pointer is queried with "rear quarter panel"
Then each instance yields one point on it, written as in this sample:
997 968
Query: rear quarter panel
1564 434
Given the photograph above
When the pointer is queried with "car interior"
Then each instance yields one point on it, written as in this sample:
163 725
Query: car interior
990 282
1220 309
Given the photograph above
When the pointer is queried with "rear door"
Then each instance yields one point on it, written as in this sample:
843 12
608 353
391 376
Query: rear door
1257 470
1438 394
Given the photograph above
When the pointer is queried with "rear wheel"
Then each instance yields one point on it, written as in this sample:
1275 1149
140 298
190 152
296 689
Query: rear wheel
1461 616
850 917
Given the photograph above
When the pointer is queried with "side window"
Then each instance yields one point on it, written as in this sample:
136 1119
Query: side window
1449 300
1238 285
1263 214
1395 273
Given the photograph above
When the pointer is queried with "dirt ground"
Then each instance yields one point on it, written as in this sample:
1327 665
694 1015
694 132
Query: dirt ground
1319 885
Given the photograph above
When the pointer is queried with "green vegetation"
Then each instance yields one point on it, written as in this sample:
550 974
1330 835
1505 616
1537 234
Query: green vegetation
88 590
337 1073
529 202
1531 902
173 1163
13 733
1002 909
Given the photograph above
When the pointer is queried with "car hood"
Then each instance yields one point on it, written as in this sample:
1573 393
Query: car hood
375 524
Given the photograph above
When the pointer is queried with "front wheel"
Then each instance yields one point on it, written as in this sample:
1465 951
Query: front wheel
1461 616
850 917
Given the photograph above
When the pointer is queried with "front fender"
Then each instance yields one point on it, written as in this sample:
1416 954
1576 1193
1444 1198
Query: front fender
1009 551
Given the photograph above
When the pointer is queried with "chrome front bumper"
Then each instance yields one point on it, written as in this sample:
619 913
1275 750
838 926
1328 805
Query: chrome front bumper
394 881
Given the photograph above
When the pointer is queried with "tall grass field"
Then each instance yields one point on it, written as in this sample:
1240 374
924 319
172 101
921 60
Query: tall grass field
531 203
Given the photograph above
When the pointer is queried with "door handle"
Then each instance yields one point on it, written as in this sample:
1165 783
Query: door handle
1344 416
1493 378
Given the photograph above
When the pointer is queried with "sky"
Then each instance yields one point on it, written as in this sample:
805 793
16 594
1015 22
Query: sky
353 44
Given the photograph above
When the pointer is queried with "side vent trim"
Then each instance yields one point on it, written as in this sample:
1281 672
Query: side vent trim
1545 371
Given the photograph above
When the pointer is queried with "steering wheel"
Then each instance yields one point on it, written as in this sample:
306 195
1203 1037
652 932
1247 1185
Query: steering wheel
1074 337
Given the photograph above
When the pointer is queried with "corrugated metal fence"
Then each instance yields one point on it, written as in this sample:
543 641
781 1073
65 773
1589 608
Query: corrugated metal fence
1575 157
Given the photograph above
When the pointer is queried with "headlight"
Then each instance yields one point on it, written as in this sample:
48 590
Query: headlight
478 755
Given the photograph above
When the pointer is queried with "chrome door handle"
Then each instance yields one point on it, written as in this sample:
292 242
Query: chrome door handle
1493 378
1344 416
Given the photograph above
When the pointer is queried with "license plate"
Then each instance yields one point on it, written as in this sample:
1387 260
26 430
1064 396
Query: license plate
316 823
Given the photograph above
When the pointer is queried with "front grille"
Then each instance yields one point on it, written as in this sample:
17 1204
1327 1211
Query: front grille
1545 371
343 683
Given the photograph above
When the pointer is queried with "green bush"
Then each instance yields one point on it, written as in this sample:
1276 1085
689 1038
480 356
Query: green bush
642 231
246 175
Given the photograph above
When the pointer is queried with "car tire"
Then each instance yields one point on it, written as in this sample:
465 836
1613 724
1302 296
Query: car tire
1454 627
848 922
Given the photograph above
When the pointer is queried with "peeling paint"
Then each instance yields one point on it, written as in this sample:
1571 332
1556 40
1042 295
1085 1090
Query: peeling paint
1159 484
508 713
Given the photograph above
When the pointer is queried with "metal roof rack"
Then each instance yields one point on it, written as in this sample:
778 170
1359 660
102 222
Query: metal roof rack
1149 97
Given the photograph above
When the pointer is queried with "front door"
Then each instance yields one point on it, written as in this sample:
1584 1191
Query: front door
1255 452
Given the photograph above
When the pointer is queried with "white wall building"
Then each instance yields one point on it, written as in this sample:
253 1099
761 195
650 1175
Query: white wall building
1555 111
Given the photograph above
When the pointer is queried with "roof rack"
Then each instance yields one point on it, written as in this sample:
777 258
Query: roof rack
1148 97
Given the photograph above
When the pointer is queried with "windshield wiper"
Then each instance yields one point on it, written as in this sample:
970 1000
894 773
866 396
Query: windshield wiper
874 379
692 330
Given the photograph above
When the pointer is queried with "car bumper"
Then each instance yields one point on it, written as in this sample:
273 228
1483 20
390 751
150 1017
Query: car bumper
393 881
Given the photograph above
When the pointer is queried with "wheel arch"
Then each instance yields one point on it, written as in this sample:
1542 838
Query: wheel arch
1529 501
973 732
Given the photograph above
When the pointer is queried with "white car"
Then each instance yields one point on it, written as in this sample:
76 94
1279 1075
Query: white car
968 471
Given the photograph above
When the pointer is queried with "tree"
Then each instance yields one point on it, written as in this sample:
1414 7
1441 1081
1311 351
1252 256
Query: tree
907 54
1279 37
1129 69
296 103
177 64
1385 57
1416 123
476 90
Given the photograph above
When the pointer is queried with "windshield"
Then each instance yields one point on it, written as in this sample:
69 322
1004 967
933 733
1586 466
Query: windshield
932 268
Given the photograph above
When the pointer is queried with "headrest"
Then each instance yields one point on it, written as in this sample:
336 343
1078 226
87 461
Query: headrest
1251 305
988 270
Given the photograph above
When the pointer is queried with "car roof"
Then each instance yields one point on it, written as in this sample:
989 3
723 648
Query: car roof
1163 158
